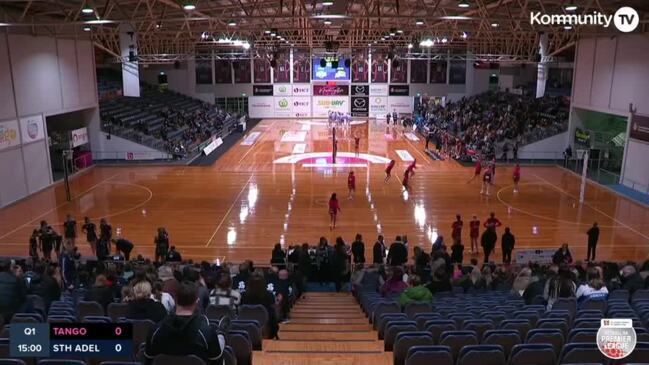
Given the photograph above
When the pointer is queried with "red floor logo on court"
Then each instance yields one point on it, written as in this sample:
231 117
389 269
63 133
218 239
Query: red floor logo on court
616 338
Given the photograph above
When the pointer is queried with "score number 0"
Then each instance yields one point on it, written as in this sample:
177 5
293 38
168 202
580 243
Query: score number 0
118 332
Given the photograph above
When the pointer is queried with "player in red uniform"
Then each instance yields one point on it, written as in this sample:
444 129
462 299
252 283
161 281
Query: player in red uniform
406 180
477 171
411 168
486 182
516 176
492 221
334 208
474 227
351 184
457 230
388 170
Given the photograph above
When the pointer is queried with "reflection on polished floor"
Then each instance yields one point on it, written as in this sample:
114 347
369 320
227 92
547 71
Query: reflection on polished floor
266 190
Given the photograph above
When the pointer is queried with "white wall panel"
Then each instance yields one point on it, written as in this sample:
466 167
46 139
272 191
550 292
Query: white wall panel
87 73
68 72
35 74
636 167
12 176
7 106
583 71
631 75
600 90
36 165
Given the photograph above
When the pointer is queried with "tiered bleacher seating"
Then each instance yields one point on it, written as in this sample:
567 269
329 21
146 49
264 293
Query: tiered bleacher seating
497 327
165 120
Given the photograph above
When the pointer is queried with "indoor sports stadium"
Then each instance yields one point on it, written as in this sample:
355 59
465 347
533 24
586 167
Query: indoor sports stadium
344 182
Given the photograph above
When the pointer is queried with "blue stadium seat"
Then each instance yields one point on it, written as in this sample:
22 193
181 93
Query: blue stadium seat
385 318
256 313
458 339
619 295
555 323
438 326
406 340
533 354
96 319
582 335
241 345
507 339
581 352
12 362
61 362
427 355
414 308
480 326
521 325
481 355
393 329
252 328
552 336
422 318
176 360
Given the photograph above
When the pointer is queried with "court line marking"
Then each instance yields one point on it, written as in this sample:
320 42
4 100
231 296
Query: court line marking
526 212
593 208
59 206
230 209
120 212
256 141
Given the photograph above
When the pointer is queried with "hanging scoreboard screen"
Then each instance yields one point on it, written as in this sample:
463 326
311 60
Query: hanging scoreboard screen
70 340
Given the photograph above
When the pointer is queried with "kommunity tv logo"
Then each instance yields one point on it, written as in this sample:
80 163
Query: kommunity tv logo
625 19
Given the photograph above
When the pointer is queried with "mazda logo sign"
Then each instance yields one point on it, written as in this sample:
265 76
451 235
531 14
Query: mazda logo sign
359 103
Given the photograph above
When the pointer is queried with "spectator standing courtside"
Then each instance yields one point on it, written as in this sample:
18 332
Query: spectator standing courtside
507 245
489 239
378 251
474 233
398 253
358 249
161 242
593 237
70 231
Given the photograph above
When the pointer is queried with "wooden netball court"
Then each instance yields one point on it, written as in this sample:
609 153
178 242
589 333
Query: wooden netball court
274 187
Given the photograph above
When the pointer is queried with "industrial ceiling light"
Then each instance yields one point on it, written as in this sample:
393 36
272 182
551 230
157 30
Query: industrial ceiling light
393 32
427 43
327 3
189 5
419 22
87 28
158 24
464 35
245 45
399 31
267 31
410 45
567 27
444 40
87 9
495 25
232 23
463 4
571 7
327 22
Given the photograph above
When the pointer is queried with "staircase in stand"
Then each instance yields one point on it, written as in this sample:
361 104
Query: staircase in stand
325 328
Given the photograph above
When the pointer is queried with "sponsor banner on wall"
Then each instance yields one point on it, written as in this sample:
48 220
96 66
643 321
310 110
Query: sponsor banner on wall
283 106
639 128
401 104
79 137
360 90
32 129
301 90
378 90
141 155
9 134
378 106
212 146
360 106
399 90
301 106
323 104
262 90
282 90
261 107
331 90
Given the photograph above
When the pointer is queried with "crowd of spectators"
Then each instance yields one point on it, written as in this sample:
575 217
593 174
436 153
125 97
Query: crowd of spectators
494 123
178 128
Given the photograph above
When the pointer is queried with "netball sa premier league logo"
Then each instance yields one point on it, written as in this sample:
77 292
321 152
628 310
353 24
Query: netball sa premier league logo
616 338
